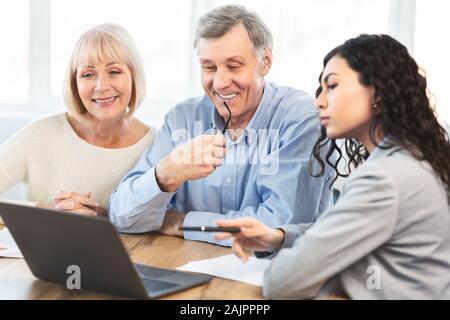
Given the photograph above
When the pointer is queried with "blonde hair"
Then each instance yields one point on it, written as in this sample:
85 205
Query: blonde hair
102 43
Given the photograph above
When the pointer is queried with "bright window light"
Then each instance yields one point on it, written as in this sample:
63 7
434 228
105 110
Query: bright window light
14 51
432 50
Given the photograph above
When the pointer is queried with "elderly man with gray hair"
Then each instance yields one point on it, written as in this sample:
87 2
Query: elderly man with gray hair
241 149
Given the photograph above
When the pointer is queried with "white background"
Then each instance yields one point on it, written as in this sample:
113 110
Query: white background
37 37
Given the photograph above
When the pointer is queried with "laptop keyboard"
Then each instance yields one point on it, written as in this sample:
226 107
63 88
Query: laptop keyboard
152 285
152 272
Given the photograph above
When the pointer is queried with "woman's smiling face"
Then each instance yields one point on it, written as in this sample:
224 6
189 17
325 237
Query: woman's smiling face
105 89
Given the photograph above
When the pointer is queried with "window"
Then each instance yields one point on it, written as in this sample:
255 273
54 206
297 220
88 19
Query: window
432 50
162 33
14 48
36 54
305 31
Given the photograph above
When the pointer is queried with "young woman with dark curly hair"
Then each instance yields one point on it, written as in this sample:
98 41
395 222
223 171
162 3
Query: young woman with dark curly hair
388 235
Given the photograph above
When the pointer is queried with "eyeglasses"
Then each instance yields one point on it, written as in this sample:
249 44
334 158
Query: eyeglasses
229 118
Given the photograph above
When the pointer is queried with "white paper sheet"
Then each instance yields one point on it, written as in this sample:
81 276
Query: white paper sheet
230 267
8 247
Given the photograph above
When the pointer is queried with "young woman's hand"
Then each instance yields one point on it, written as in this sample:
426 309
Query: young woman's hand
254 235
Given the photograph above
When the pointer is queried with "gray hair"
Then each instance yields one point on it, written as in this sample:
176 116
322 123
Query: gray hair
220 20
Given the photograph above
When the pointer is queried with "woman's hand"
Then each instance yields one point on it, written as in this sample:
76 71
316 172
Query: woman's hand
76 203
254 235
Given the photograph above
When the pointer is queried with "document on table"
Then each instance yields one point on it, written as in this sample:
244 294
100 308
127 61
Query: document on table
8 247
231 267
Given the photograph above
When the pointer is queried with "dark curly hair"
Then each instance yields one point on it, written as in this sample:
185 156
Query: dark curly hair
405 112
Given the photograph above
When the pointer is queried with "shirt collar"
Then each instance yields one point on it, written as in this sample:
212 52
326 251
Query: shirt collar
259 119
386 147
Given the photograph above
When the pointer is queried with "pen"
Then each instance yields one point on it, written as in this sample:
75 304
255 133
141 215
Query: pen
211 229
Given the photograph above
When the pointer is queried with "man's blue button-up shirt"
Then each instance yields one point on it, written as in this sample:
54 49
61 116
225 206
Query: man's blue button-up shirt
265 174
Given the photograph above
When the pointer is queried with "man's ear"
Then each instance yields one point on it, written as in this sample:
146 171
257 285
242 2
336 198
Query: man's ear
266 61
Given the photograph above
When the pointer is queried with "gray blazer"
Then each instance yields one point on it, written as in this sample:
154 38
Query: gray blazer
387 237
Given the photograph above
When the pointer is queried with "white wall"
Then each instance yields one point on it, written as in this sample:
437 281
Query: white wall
304 30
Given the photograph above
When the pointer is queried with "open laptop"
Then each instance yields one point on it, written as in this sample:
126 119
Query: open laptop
52 241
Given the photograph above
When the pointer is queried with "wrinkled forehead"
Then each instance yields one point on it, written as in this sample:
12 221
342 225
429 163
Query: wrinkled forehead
235 42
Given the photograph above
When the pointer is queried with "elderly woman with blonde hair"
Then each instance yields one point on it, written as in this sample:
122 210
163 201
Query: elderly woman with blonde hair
72 160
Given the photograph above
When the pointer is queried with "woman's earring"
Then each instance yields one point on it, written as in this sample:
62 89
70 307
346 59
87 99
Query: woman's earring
375 105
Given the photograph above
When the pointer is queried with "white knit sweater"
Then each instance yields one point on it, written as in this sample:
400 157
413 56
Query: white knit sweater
48 155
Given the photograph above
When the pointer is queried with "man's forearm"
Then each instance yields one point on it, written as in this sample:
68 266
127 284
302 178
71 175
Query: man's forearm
138 203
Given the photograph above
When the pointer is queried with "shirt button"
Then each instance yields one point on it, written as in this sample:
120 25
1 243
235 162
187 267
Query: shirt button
228 180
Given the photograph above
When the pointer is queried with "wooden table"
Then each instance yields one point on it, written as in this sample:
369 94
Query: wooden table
17 281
